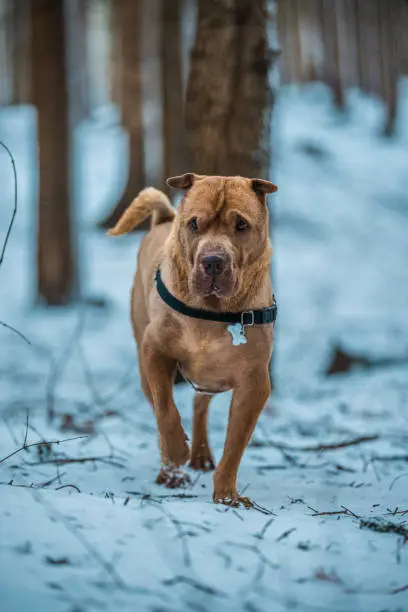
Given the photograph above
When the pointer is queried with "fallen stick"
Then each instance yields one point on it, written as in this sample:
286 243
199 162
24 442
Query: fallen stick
399 589
43 442
317 448
147 496
72 486
15 331
389 458
330 513
67 460
345 511
199 586
344 444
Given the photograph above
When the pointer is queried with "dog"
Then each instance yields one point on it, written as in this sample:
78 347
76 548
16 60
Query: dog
200 268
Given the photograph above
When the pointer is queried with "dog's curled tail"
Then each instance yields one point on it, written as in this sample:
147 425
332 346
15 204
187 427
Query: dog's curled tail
150 201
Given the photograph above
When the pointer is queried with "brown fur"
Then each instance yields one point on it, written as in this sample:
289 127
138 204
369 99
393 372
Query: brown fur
150 201
167 340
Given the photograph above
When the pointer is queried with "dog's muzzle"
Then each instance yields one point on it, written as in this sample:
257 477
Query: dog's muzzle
214 274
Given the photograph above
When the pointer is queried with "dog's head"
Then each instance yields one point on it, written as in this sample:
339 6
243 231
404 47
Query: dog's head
222 228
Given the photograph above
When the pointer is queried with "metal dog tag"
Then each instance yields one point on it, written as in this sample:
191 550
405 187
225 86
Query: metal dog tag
237 332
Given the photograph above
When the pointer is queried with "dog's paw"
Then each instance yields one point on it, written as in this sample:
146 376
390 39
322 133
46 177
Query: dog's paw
234 500
173 478
202 462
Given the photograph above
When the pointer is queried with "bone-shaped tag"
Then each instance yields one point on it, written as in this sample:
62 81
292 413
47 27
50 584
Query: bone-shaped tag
238 334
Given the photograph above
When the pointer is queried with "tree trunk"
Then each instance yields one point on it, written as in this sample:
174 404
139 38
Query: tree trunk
174 143
56 283
115 58
6 53
332 58
129 20
77 22
21 52
349 44
229 98
229 95
388 67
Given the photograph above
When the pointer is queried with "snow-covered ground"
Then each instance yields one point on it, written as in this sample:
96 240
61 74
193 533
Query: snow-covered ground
83 526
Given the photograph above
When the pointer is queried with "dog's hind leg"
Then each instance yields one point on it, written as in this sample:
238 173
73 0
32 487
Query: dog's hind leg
160 372
201 457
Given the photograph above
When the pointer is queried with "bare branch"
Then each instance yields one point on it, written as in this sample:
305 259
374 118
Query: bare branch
399 589
389 458
317 448
344 511
209 590
43 442
264 529
286 534
13 216
33 485
349 511
13 329
397 511
72 486
329 513
147 496
404 475
26 431
68 460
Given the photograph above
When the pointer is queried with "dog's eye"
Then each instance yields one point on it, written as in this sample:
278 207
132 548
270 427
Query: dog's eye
241 225
193 224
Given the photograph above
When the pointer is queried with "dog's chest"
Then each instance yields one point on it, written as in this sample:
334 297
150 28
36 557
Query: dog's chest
209 360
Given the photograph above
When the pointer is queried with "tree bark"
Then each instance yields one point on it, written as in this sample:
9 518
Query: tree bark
332 57
229 98
389 63
115 59
6 53
56 282
21 52
77 18
129 20
174 142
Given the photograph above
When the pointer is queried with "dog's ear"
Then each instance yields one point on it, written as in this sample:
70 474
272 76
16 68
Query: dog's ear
262 187
185 181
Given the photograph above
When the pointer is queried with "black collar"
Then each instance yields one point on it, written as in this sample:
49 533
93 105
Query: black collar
247 317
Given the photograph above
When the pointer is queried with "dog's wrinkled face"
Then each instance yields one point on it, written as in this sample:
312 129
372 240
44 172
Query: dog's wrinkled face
222 228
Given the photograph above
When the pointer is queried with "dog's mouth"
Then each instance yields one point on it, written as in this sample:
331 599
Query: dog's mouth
217 290
220 287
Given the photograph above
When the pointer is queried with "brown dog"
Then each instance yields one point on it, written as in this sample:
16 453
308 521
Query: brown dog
214 254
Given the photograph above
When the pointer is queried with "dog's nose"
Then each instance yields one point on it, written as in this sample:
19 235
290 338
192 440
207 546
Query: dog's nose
213 265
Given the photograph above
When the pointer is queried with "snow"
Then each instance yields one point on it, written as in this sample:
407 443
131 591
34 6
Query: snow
98 534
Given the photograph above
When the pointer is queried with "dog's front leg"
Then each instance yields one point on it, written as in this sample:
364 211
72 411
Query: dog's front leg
201 457
248 401
160 372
